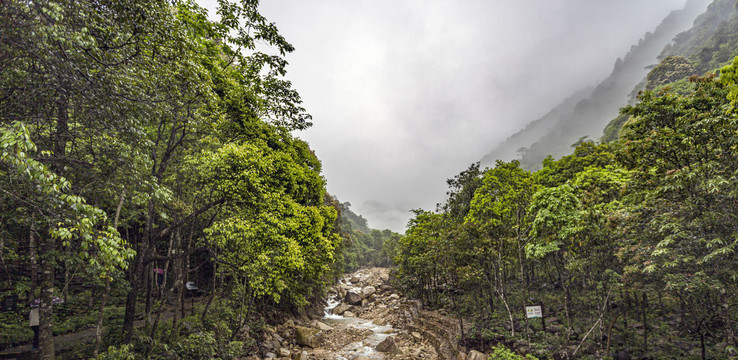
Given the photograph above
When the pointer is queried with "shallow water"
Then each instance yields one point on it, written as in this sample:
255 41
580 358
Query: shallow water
365 347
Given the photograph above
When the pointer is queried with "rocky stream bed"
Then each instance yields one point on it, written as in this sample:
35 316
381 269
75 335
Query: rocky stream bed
366 319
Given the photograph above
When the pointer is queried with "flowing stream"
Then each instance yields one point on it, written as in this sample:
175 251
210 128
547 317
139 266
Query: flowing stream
366 348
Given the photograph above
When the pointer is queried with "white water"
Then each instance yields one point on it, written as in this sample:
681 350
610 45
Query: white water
365 347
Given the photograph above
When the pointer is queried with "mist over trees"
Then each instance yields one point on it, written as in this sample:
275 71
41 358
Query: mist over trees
628 245
148 156
554 133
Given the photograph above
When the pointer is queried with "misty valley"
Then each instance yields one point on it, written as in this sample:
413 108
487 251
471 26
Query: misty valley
165 192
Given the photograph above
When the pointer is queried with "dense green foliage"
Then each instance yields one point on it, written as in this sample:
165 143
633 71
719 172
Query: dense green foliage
139 135
628 245
362 246
711 43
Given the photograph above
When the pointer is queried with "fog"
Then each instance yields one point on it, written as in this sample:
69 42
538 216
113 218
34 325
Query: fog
407 93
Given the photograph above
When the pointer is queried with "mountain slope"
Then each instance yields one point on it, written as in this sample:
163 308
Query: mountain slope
711 43
590 115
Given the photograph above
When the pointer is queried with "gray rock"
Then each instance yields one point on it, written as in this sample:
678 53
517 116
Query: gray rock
352 298
340 309
270 355
300 355
476 355
322 326
308 336
368 291
389 346
284 352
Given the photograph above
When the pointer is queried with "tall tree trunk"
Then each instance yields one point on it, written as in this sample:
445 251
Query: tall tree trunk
46 336
136 276
33 258
645 322
103 300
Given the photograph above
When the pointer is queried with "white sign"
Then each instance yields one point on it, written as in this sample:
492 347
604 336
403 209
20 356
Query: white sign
533 312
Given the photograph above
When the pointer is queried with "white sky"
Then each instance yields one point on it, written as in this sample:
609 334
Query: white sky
407 93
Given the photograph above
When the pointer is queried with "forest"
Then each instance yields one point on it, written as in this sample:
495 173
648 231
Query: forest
629 246
140 138
148 155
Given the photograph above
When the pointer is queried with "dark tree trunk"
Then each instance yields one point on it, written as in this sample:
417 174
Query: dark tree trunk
33 258
46 336
137 276
645 322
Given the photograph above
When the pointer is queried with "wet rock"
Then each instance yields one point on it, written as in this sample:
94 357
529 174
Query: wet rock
299 355
354 279
322 326
308 336
380 322
368 291
476 355
388 345
284 352
352 298
267 345
349 314
340 309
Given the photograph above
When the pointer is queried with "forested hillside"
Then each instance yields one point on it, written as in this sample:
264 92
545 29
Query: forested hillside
143 147
361 245
710 44
628 246
156 203
592 113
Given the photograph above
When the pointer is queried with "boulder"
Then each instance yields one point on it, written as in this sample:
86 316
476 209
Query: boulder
368 291
284 352
349 314
322 326
299 355
340 309
353 298
476 355
380 322
416 335
308 336
270 355
389 346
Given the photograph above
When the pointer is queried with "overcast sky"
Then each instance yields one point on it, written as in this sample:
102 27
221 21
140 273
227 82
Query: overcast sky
407 93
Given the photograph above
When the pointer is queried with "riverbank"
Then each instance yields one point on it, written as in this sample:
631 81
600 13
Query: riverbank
365 318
